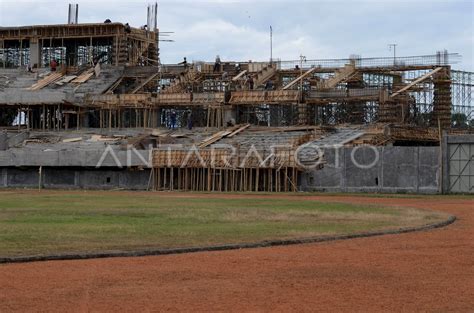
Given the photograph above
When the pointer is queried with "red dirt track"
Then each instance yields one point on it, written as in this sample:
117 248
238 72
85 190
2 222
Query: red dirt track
424 271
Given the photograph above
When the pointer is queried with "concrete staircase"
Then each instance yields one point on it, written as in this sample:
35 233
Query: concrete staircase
264 75
341 75
108 75
188 77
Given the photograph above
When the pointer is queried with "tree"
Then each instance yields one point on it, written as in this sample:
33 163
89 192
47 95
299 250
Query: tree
459 120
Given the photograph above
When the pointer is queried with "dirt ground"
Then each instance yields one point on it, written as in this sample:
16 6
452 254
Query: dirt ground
426 271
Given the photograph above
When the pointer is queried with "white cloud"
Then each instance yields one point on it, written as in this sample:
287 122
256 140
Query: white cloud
239 30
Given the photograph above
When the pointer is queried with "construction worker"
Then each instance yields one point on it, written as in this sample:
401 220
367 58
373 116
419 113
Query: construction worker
269 85
217 65
184 63
173 119
53 64
190 120
250 82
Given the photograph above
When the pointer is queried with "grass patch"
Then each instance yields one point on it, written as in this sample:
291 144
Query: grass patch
59 222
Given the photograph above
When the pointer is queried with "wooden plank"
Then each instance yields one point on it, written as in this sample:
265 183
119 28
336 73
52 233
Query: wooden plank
84 76
46 81
218 136
113 86
97 70
73 139
66 79
238 130
239 75
339 76
293 82
160 133
215 137
416 81
146 81
290 128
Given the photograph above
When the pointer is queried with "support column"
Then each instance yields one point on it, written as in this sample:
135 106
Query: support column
442 98
35 53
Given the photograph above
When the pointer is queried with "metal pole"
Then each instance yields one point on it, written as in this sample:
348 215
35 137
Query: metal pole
155 16
40 173
302 59
394 54
271 45
394 46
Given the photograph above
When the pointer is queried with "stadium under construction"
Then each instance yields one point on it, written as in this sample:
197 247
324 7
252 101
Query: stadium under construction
92 106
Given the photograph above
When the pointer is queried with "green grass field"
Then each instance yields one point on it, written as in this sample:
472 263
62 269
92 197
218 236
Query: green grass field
34 223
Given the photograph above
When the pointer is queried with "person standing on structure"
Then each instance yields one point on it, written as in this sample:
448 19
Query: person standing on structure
184 64
190 119
173 119
250 82
217 65
53 65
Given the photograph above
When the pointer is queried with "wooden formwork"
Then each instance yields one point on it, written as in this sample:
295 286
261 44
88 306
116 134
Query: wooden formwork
171 99
226 180
225 170
225 158
209 98
248 97
253 97
112 101
282 96
134 100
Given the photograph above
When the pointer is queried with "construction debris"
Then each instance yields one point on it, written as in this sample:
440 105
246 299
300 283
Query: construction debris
219 135
49 79
85 76
73 139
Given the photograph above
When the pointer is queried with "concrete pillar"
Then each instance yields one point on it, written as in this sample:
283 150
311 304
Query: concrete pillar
4 55
71 54
3 140
443 171
380 170
344 168
4 177
77 179
229 114
35 52
84 120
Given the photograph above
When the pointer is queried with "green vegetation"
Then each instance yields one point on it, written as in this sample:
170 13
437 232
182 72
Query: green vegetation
54 222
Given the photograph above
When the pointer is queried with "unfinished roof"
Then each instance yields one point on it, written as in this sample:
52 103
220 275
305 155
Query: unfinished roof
65 31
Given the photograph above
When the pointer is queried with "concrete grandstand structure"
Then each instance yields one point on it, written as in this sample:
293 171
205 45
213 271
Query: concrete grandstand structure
103 118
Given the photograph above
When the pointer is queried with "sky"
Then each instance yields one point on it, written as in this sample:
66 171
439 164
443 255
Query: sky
240 29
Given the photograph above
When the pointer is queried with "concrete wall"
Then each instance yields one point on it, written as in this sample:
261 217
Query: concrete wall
376 169
3 140
74 158
364 169
458 163
70 178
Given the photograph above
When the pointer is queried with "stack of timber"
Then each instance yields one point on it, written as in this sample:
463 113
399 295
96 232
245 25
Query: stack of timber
230 132
85 76
412 133
49 79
